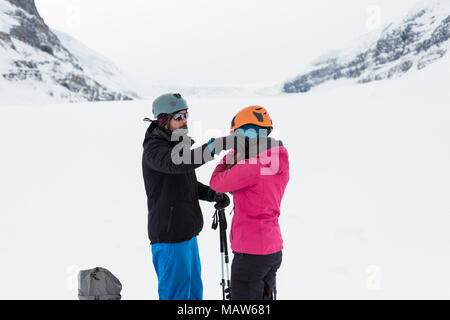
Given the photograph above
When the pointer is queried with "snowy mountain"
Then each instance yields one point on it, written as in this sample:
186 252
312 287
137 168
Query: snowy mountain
418 40
40 65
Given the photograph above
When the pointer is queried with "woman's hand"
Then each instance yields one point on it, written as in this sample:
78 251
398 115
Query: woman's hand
222 201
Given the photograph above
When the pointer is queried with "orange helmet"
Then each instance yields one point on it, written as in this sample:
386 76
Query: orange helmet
252 115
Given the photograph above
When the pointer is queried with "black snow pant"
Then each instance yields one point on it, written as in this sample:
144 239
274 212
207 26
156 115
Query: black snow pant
253 277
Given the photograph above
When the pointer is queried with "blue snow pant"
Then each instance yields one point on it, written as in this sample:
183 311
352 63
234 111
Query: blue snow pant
178 268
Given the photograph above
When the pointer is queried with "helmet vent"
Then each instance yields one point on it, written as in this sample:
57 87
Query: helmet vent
259 116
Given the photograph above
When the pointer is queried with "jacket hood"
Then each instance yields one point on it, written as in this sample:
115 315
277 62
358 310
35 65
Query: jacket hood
259 145
155 130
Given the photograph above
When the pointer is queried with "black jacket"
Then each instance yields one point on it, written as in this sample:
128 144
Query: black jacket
173 191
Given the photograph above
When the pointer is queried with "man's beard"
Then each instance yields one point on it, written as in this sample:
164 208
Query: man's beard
183 127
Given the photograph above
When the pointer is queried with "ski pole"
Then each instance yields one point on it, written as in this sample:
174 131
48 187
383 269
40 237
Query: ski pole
219 219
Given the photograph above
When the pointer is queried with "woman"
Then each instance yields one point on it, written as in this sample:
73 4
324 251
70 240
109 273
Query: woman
257 177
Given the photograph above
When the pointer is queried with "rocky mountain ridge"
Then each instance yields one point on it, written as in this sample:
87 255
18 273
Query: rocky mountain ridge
35 58
420 39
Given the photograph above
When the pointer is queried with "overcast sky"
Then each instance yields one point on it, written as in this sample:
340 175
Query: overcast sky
214 43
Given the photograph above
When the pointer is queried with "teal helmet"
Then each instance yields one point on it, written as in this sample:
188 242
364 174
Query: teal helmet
169 103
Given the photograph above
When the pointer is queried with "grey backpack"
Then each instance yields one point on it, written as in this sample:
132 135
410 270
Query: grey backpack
98 284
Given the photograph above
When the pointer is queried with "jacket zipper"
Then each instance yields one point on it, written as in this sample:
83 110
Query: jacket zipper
231 231
170 219
232 223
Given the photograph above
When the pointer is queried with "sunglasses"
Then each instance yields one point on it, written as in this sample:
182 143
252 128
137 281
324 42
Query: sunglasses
180 116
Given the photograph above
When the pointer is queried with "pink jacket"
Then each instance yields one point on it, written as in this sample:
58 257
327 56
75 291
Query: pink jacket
258 186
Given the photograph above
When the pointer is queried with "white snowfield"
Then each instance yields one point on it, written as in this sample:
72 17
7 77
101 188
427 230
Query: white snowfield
365 215
6 22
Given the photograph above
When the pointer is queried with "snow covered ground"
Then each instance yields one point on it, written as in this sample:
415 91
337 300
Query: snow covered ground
365 215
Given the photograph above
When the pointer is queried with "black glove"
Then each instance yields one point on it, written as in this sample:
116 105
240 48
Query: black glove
222 201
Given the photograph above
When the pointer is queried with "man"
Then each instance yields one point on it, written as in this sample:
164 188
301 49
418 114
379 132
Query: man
173 193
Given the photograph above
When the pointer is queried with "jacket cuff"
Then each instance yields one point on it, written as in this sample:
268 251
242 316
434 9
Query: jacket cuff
210 196
211 147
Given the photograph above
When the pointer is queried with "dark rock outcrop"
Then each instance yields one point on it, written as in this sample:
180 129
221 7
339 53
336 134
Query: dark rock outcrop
27 5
